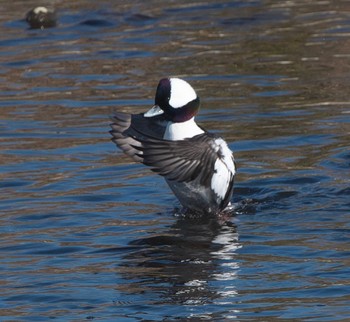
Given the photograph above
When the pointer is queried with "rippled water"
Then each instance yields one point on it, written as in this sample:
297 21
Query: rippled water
88 235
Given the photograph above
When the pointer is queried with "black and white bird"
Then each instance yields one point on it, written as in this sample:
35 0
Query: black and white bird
41 18
198 166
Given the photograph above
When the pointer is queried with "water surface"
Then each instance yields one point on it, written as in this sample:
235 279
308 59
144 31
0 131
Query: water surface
86 234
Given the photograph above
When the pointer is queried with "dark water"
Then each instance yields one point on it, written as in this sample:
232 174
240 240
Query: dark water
88 235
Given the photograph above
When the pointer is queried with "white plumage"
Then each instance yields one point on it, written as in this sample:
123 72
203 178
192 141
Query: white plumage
181 93
224 169
182 130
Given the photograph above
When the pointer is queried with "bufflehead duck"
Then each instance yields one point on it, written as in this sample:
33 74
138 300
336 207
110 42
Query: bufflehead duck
41 17
198 166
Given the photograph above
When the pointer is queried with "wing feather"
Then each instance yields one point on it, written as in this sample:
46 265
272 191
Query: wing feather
127 129
182 160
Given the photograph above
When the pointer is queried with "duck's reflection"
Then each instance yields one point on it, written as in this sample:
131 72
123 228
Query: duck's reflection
191 263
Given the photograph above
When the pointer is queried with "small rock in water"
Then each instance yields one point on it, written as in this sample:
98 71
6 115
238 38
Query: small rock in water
41 18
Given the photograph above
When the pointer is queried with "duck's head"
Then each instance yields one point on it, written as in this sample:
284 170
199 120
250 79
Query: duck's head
176 99
41 17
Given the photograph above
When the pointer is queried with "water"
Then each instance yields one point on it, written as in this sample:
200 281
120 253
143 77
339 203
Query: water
88 235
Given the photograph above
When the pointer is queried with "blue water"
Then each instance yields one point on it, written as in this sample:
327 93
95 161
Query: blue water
86 234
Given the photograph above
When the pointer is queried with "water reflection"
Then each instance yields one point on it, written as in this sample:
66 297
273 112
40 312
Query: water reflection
191 263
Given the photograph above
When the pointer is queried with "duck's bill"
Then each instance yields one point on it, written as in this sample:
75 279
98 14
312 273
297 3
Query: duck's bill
154 111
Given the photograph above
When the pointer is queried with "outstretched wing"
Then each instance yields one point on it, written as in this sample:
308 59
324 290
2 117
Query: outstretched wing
204 157
183 160
128 129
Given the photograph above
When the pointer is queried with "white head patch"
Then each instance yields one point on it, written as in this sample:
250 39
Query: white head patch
38 10
181 93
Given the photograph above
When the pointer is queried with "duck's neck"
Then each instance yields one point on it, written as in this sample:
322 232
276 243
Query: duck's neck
182 130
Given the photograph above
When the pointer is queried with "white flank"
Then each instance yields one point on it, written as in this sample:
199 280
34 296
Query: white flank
220 179
181 93
37 10
224 169
227 154
182 130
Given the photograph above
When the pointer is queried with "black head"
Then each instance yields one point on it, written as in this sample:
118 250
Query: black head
41 17
177 99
